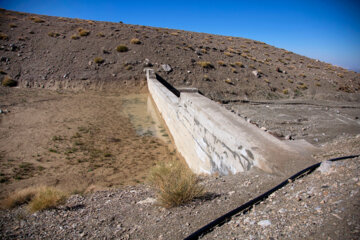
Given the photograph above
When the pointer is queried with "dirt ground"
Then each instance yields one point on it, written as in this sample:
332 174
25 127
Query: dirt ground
76 141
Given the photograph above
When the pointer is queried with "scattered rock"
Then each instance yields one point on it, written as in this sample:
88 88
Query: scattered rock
149 200
166 67
264 223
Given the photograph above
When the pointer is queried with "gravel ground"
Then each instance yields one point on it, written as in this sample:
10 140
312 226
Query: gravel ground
322 205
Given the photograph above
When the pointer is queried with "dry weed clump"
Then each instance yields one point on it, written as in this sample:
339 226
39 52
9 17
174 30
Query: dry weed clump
100 34
46 198
99 60
176 184
75 37
37 20
53 34
3 36
239 64
122 48
83 32
8 82
135 41
206 65
37 198
221 63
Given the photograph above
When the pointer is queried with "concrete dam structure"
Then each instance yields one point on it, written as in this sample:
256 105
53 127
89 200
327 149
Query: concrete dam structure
213 140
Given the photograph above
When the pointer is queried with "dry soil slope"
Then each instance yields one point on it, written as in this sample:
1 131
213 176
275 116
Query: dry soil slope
40 52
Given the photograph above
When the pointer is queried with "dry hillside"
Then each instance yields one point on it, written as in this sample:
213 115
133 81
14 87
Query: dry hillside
56 52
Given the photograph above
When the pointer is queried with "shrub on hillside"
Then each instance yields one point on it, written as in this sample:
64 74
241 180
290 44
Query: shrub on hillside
53 34
99 60
206 65
75 37
135 41
3 36
175 183
83 32
8 82
122 48
37 19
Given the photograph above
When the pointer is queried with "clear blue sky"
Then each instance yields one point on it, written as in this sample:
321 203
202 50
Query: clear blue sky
328 30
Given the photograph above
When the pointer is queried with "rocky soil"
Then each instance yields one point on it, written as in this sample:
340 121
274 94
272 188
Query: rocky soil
44 51
288 95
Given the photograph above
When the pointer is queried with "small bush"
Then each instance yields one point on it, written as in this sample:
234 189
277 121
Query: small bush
46 198
12 25
228 81
174 33
318 84
83 32
122 48
228 54
135 41
100 34
221 63
99 60
175 183
302 86
8 82
285 91
37 19
239 64
206 65
75 37
3 36
206 78
19 198
53 34
233 70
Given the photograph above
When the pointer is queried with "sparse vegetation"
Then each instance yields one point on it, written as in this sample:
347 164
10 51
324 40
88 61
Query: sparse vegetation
135 41
207 65
53 34
37 19
100 34
239 64
3 36
122 48
175 183
228 54
8 82
285 91
99 60
302 86
46 198
221 63
83 32
75 37
12 25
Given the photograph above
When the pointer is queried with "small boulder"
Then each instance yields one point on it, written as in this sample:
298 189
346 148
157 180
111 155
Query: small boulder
166 67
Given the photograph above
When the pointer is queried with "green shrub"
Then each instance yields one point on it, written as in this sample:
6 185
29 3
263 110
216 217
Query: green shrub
122 48
175 183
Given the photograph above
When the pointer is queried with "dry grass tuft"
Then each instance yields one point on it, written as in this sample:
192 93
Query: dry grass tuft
221 63
176 184
8 82
100 34
83 32
37 19
46 198
75 37
19 198
285 91
53 34
206 65
99 60
239 64
135 41
3 36
122 48
12 25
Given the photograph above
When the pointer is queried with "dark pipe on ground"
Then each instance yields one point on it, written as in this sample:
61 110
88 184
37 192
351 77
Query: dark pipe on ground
226 217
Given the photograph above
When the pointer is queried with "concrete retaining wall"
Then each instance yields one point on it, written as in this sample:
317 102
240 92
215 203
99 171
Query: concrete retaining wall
212 139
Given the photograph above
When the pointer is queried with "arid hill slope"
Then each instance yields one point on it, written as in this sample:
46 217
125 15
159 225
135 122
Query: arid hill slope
43 51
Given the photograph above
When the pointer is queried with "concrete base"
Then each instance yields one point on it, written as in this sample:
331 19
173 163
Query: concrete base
213 140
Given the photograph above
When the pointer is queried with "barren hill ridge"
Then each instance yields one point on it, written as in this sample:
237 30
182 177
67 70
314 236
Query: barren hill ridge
56 52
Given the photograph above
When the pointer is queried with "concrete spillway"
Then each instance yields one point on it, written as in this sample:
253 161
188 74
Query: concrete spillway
213 140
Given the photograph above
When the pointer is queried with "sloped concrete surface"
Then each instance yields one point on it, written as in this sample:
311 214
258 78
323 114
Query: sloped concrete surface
213 140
